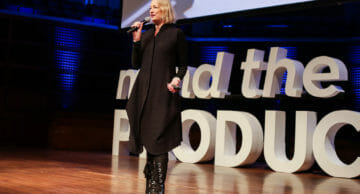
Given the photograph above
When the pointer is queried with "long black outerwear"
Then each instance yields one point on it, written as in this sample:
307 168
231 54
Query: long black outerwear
153 111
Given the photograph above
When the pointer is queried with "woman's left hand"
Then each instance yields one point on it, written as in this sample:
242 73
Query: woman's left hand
174 85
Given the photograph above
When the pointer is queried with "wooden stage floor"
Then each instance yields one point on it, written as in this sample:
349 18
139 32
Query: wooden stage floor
37 171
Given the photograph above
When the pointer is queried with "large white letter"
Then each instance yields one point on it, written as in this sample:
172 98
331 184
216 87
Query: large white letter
187 89
313 76
126 82
252 67
278 64
121 130
323 143
274 143
220 74
252 139
206 149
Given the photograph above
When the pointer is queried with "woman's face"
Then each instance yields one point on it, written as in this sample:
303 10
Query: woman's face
155 12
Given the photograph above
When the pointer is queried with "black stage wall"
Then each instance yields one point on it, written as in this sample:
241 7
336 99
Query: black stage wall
58 83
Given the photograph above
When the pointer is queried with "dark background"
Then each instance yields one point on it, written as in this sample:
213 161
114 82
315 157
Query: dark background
58 78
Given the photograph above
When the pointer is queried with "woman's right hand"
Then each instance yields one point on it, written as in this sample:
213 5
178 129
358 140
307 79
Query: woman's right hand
137 34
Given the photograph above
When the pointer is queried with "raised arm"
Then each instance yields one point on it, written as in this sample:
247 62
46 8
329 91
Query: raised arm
136 50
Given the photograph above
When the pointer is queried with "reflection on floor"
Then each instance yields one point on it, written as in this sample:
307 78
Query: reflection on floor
48 171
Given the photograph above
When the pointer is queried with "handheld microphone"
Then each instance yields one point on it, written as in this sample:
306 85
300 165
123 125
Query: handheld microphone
176 87
146 20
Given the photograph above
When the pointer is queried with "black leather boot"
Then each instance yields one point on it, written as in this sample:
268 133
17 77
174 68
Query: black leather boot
158 169
147 172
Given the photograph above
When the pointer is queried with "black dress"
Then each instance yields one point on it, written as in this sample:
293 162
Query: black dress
154 112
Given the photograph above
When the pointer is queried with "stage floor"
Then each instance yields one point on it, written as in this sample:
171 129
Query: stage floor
39 171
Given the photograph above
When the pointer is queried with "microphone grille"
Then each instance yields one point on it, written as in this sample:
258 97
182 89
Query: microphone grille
147 19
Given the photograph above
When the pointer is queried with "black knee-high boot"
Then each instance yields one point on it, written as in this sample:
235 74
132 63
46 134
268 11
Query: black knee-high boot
147 171
158 169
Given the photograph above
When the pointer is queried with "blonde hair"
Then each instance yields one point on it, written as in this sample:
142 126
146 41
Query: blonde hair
167 10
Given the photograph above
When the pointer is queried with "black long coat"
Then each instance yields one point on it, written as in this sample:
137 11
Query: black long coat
154 112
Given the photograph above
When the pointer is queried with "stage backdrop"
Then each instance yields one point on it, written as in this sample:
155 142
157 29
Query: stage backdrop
185 9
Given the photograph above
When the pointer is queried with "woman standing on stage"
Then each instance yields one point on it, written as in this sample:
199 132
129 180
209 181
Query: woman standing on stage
154 104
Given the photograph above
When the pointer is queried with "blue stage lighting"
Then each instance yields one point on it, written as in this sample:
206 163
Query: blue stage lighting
105 21
26 10
277 26
67 59
227 26
291 54
209 53
94 20
88 2
99 21
67 38
67 81
355 73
